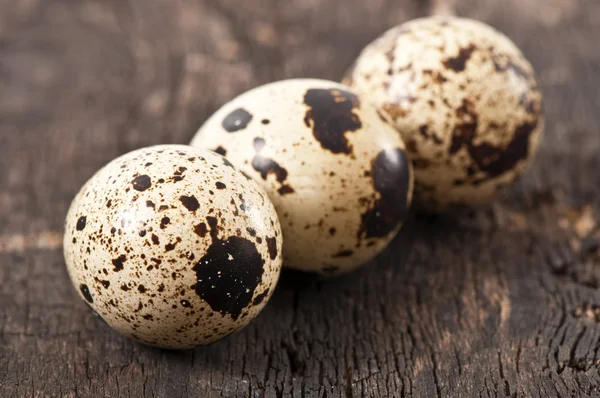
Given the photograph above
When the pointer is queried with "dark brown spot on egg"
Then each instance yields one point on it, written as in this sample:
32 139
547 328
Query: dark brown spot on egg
220 150
504 64
424 132
214 228
220 185
228 274
86 293
265 121
185 303
496 161
435 75
149 203
266 166
390 54
260 298
201 230
118 262
243 205
236 120
331 115
464 131
459 62
81 223
164 221
227 162
141 183
141 288
390 172
411 145
491 160
235 211
190 202
272 246
384 117
531 105
285 189
171 246
155 239
105 284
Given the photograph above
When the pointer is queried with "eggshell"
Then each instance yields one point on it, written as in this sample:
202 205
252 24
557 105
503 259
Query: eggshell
465 100
332 164
172 246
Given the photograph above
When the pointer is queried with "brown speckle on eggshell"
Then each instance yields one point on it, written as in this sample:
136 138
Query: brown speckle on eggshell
333 165
172 263
465 100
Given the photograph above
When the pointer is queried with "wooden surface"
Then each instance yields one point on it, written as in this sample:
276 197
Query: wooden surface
501 301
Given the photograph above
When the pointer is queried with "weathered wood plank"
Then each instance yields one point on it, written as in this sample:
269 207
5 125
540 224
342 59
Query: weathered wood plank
498 301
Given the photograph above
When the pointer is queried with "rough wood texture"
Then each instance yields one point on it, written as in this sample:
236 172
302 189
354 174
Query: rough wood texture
501 301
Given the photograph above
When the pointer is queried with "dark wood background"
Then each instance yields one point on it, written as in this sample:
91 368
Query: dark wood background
501 301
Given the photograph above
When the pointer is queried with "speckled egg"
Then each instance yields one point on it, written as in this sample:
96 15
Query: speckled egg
333 165
464 99
173 246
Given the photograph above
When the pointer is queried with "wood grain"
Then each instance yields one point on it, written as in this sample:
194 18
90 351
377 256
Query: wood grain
499 301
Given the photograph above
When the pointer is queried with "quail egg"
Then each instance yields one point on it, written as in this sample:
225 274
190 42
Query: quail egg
465 100
172 246
333 165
